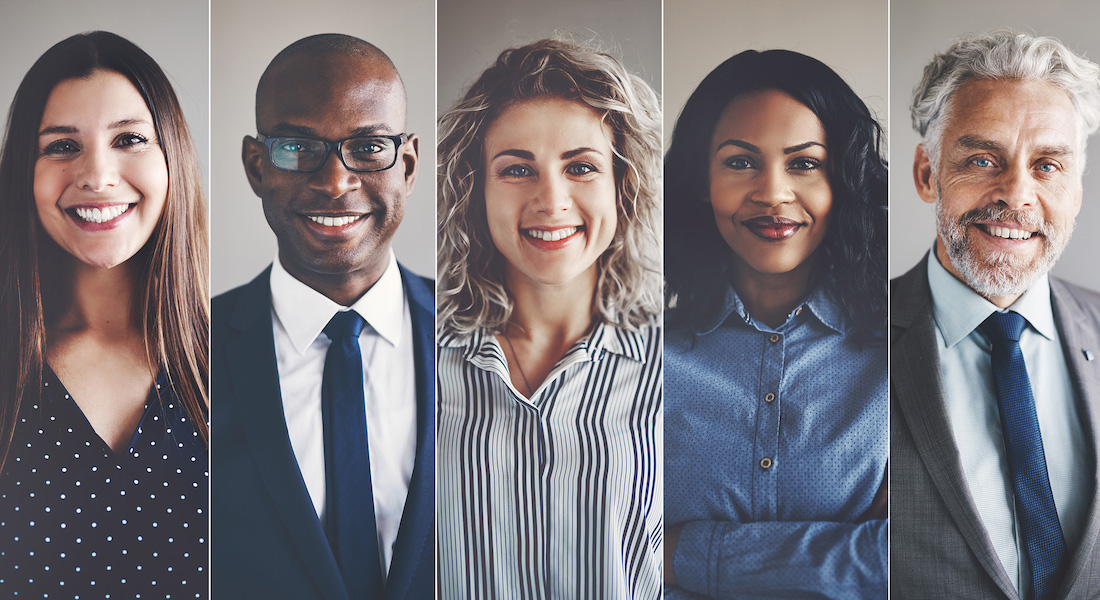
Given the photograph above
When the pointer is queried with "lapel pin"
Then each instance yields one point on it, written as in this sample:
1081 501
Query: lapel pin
1089 355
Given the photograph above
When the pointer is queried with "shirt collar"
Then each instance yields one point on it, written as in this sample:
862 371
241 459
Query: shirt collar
958 309
304 311
818 302
603 337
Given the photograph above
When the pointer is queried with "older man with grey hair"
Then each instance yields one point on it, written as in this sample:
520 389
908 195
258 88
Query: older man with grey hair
994 390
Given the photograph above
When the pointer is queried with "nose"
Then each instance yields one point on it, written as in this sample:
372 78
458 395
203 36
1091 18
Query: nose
1017 187
334 179
552 194
774 186
98 169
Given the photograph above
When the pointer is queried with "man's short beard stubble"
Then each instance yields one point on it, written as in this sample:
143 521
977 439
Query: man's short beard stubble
997 273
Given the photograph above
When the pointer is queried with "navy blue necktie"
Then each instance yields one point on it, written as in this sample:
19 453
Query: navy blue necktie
1027 463
349 505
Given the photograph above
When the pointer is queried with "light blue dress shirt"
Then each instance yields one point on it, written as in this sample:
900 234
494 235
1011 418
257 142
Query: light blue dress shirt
776 444
975 415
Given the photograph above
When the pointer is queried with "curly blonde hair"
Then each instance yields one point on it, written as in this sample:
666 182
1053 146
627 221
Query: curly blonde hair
472 294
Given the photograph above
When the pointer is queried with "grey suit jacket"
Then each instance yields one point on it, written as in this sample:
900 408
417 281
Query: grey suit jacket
939 547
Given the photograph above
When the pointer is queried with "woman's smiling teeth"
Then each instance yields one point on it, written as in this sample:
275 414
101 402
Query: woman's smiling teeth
101 215
550 236
334 221
1007 233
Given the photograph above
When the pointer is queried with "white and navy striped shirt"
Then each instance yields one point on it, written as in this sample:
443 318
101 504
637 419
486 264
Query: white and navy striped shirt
559 495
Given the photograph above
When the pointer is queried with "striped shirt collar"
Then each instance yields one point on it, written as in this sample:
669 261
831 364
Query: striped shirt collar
604 337
818 302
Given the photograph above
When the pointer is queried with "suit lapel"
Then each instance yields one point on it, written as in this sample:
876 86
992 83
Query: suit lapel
414 537
917 384
254 380
1079 332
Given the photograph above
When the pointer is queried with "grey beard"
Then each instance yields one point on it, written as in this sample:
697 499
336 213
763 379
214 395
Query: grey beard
999 273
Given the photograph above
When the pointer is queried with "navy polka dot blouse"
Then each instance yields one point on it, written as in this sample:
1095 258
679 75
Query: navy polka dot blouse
79 521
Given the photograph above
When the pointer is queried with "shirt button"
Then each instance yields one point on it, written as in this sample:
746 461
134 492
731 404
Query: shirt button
769 398
774 338
765 463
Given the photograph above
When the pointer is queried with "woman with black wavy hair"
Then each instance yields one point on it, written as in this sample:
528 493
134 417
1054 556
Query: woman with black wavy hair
776 381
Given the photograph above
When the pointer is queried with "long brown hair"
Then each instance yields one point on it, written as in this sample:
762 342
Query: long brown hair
173 307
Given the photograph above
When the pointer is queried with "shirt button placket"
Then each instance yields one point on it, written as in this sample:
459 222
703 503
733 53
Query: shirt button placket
766 497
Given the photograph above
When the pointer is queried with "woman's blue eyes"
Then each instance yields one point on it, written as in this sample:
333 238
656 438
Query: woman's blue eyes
517 171
575 169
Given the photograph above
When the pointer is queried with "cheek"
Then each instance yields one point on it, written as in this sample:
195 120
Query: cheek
49 183
149 176
499 214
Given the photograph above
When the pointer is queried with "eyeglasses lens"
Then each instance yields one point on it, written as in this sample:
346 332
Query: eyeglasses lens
359 154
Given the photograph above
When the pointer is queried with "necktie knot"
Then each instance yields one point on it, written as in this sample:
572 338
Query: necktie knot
1004 327
345 324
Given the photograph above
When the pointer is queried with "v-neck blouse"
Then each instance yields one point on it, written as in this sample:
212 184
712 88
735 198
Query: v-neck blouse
79 520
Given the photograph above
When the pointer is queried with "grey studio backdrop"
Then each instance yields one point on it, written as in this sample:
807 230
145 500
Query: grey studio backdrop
174 33
245 36
921 28
472 33
849 36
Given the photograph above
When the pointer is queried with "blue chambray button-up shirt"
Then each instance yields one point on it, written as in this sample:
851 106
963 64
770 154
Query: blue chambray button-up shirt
776 444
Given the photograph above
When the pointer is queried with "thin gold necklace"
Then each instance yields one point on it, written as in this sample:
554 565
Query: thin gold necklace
520 366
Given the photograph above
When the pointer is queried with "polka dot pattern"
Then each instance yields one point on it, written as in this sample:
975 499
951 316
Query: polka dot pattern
78 520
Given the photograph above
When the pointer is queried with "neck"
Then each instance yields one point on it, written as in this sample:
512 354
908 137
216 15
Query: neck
99 301
561 314
770 297
342 288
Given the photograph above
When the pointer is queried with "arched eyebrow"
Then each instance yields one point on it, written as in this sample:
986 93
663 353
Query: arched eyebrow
524 154
65 129
969 142
755 149
69 129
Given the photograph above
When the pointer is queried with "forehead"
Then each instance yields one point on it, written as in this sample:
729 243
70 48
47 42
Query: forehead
333 96
550 124
768 115
1015 114
102 98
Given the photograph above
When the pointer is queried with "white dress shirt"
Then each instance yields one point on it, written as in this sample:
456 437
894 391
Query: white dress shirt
299 314
975 413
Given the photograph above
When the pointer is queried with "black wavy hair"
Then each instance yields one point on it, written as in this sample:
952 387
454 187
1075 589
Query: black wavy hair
854 251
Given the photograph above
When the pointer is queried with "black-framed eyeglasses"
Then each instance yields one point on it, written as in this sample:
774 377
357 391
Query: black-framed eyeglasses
307 155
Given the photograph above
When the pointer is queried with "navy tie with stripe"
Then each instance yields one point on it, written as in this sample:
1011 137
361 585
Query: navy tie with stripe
349 505
1027 466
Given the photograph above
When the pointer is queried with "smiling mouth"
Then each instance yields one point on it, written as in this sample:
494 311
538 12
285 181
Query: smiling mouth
1007 233
100 214
772 229
335 221
551 235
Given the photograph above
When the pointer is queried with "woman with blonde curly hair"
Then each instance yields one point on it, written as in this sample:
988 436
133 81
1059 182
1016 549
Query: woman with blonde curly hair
550 354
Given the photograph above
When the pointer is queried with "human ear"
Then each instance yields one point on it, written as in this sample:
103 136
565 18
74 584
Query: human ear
923 177
252 156
410 158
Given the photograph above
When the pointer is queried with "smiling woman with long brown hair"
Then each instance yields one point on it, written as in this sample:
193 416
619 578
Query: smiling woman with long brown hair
104 331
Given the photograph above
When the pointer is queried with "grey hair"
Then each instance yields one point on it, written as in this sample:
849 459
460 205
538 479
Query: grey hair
1003 54
471 290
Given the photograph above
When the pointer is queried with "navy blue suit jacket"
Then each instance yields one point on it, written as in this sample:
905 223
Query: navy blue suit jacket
266 539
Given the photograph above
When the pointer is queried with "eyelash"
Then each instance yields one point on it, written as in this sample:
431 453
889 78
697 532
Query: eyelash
993 164
802 163
67 147
514 170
